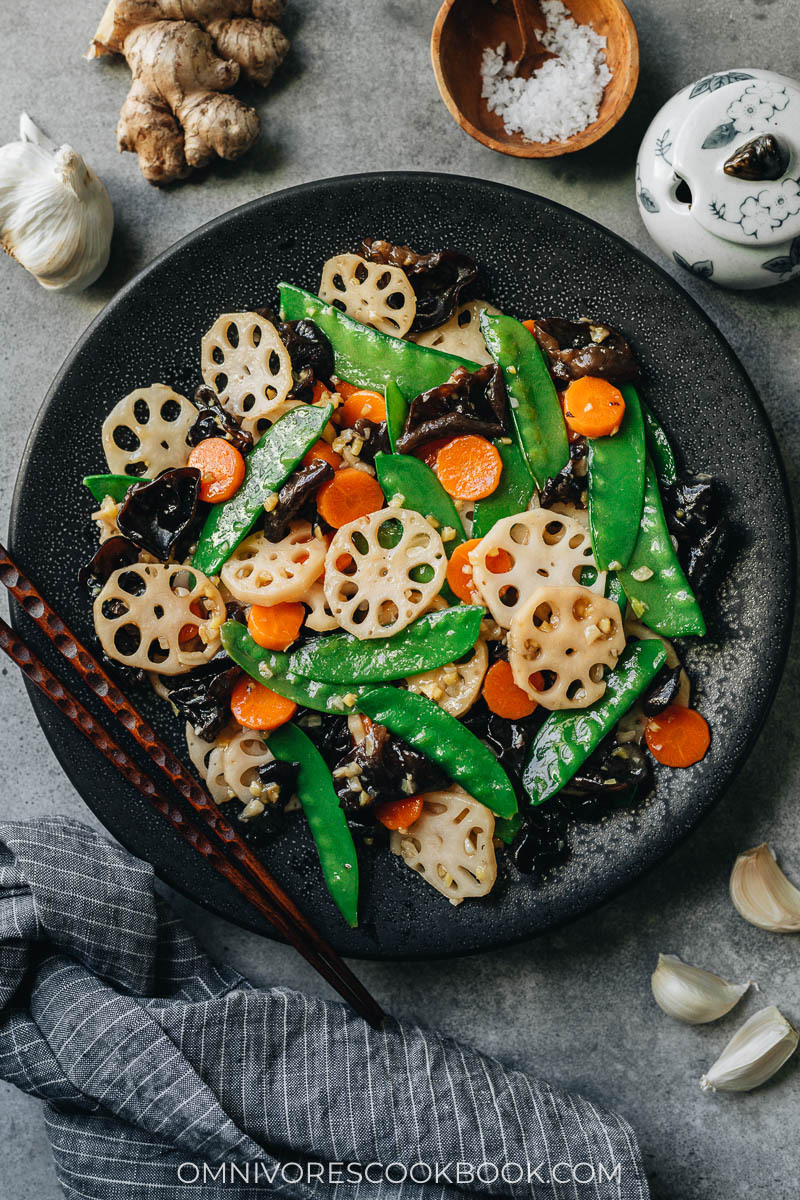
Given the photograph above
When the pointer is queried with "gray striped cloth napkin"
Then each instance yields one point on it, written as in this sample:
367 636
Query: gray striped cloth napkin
163 1075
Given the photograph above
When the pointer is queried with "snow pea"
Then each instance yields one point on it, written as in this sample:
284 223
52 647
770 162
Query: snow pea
409 477
616 487
273 669
115 486
569 736
512 495
327 822
429 642
658 447
396 413
444 740
535 409
507 828
663 598
615 591
366 356
267 466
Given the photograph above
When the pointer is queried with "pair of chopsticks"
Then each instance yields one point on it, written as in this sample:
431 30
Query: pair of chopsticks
225 850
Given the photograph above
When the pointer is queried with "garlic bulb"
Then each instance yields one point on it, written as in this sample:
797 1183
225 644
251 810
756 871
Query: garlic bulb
56 217
691 994
753 1055
762 894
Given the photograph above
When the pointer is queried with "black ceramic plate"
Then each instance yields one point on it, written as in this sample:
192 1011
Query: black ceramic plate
537 258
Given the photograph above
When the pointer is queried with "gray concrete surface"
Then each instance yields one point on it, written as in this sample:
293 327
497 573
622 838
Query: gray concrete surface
358 94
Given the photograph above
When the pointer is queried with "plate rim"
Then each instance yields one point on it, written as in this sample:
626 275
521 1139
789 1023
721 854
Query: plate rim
743 750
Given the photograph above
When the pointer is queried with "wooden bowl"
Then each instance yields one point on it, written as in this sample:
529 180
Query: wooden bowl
464 28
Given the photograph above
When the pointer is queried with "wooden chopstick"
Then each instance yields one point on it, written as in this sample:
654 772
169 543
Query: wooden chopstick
283 913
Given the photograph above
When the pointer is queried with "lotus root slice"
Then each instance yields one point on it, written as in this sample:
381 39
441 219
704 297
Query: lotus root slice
451 845
382 571
249 368
372 293
525 551
145 432
560 643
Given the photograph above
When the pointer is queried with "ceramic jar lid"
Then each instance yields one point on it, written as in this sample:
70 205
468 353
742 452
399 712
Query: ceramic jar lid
718 178
727 121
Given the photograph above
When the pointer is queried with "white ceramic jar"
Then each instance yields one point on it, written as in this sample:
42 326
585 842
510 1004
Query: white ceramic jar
718 178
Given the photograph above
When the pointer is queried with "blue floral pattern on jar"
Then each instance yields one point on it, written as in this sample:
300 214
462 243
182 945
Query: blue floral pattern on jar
756 106
767 211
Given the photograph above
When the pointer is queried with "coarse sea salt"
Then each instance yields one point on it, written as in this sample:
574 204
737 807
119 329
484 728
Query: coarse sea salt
564 95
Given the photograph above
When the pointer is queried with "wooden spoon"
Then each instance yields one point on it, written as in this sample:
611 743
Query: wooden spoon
531 23
463 30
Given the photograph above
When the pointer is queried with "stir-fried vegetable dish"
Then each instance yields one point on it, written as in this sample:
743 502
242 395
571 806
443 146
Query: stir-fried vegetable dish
411 570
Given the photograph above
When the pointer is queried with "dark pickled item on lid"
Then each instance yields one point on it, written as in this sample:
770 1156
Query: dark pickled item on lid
762 158
203 695
299 489
155 516
114 553
215 421
577 348
440 279
468 403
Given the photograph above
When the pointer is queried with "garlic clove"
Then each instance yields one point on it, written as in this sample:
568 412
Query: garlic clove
753 1055
762 894
28 132
56 217
691 994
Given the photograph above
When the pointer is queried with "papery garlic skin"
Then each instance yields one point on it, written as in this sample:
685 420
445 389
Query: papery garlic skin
56 217
753 1055
691 994
762 894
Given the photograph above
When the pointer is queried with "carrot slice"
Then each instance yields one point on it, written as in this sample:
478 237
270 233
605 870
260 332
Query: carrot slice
349 495
459 573
399 814
320 391
469 467
503 696
188 632
322 450
593 407
678 736
498 562
530 325
362 404
256 707
346 389
221 468
275 626
430 451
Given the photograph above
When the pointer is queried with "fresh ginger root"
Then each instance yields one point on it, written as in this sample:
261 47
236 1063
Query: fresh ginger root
177 115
